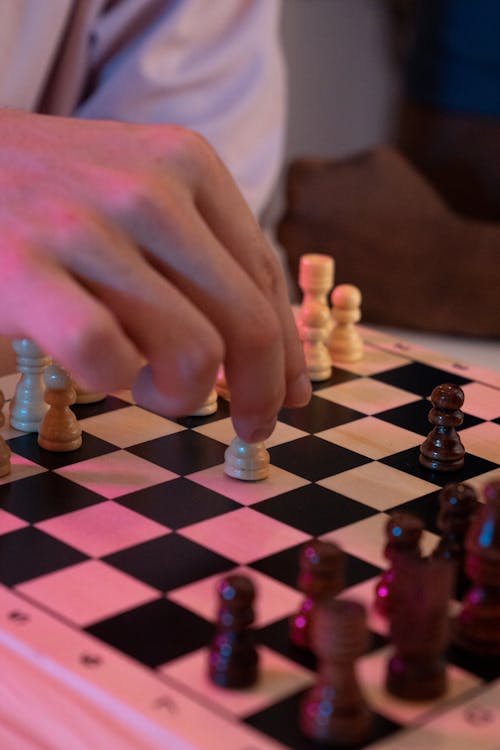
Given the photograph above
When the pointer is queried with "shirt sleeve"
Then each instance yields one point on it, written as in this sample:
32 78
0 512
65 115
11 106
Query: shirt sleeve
216 68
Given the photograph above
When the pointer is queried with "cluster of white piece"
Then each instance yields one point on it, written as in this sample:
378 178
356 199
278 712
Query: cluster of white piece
327 336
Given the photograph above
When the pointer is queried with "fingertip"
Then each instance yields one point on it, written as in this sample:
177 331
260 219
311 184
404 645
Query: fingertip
299 391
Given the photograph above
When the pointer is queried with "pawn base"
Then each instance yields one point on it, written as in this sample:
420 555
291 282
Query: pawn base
416 681
438 465
60 446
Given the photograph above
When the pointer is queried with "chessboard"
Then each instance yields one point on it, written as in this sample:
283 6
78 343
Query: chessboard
110 556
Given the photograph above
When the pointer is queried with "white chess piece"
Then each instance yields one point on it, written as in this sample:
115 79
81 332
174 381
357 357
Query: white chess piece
4 448
29 407
345 342
87 397
314 319
209 406
247 461
59 430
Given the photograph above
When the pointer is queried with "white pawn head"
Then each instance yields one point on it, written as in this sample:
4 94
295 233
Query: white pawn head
346 297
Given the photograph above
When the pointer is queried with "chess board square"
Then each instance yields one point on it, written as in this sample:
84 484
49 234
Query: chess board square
178 503
482 401
88 592
425 507
366 540
314 458
372 670
244 535
223 431
184 452
28 553
248 493
107 405
415 417
407 461
168 632
377 485
485 666
116 474
313 509
88 529
8 522
183 562
26 445
20 468
273 599
275 722
128 426
278 678
319 414
367 396
483 440
44 496
419 378
283 566
371 437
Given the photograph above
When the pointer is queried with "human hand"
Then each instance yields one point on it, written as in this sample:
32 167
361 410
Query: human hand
120 243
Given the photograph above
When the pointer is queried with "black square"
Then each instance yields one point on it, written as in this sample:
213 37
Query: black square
27 446
155 633
110 403
281 721
319 414
178 503
313 458
169 562
425 507
408 462
44 496
29 553
415 417
183 452
284 566
314 509
485 666
418 378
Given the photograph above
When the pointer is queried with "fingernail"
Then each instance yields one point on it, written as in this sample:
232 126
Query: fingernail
300 391
262 432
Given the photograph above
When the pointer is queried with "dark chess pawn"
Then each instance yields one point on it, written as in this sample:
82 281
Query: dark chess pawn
334 711
477 627
442 450
403 532
233 656
458 505
419 627
321 576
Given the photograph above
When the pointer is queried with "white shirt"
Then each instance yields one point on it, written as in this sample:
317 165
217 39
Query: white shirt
211 65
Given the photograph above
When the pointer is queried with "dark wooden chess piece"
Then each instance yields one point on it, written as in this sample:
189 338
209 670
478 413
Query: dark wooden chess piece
403 532
458 505
419 627
321 576
233 656
442 450
334 711
477 627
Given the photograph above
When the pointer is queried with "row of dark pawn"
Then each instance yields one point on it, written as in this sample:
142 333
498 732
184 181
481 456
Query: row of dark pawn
414 594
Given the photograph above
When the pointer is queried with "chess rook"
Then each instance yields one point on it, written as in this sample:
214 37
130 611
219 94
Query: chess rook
334 711
477 627
321 577
233 656
442 450
59 430
403 532
314 321
345 342
29 407
4 448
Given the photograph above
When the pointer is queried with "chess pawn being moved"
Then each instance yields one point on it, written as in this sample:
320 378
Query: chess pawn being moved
321 577
334 711
442 450
4 448
477 627
314 321
59 430
345 343
233 656
247 461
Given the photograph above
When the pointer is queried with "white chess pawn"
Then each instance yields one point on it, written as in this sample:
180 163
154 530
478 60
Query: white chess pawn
87 397
247 461
314 321
4 448
209 406
59 430
28 407
345 342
